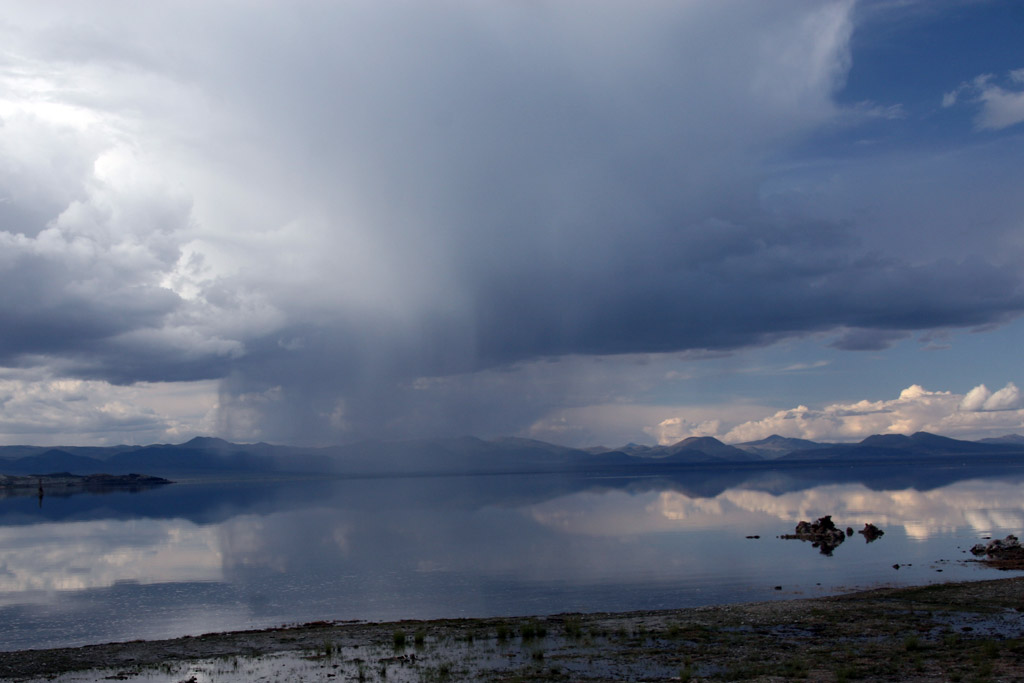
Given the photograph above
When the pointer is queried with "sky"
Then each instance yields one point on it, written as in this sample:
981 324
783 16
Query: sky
586 222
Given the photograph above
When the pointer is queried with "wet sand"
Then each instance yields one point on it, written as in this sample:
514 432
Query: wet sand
959 631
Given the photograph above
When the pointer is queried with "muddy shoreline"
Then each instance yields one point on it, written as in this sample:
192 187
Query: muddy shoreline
956 631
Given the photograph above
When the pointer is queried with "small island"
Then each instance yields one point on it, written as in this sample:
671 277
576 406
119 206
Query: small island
64 483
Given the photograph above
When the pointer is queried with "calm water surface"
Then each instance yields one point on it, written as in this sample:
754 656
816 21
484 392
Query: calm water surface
196 557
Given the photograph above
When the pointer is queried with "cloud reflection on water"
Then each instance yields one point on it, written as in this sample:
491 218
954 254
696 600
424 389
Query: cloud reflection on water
376 537
979 505
71 556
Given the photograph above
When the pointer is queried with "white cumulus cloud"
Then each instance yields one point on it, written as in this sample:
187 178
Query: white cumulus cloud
979 412
974 400
1007 398
1000 107
980 398
675 429
51 411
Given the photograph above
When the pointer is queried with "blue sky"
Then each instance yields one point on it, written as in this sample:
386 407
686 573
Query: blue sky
584 222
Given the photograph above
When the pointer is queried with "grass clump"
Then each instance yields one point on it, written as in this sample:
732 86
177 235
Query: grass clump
795 668
847 672
532 630
325 650
686 673
398 638
442 672
984 659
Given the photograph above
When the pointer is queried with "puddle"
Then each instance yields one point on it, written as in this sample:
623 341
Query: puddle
435 660
1006 624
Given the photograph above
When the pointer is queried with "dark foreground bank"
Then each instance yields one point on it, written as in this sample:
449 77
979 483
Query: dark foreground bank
959 631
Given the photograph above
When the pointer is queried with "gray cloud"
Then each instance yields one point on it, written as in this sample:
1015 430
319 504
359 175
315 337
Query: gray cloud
861 339
370 217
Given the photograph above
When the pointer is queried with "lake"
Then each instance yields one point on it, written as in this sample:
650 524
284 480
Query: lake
201 556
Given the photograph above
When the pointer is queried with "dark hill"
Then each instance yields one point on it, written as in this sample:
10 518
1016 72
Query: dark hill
1010 439
776 446
53 460
188 458
209 443
706 448
880 447
463 455
694 449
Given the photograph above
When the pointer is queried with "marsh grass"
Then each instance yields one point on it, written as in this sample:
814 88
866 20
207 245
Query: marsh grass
847 672
326 649
876 640
532 630
434 674
686 673
796 667
984 656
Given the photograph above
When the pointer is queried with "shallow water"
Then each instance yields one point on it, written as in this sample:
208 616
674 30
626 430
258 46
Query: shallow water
434 660
196 557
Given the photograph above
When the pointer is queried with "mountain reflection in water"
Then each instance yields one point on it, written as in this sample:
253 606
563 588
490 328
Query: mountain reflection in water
202 556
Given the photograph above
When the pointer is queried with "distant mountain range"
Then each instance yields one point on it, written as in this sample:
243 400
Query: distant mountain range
207 456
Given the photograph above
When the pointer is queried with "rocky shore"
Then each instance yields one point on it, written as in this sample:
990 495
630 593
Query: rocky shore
959 631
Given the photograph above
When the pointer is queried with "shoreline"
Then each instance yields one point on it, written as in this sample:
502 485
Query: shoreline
63 484
953 631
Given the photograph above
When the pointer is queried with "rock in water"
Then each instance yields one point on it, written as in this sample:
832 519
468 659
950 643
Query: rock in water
871 532
1005 553
822 534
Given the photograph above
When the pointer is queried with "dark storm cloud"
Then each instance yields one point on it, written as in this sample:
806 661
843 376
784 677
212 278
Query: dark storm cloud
744 292
54 304
369 212
727 304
